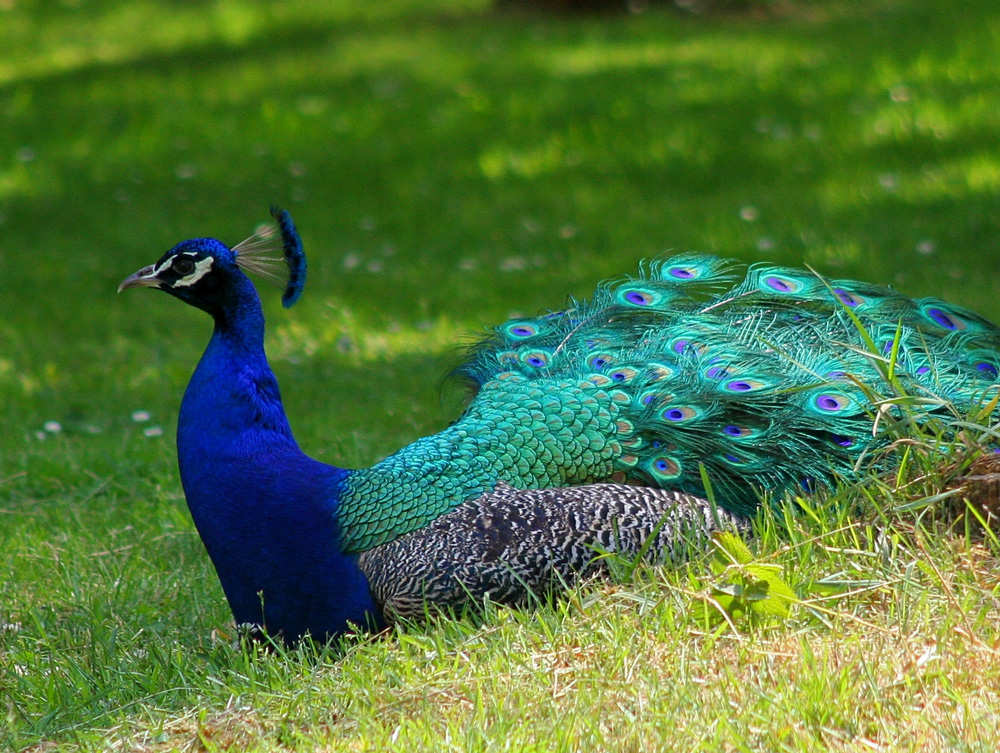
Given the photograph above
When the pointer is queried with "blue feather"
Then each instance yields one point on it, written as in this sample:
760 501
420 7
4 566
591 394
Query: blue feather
295 257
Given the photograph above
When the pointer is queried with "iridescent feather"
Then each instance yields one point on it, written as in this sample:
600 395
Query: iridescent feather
760 377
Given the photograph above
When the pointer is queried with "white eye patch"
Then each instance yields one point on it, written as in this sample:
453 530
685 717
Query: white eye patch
201 268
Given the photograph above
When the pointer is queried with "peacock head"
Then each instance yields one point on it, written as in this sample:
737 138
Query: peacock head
204 272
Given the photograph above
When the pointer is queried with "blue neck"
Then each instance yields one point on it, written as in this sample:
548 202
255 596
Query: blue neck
266 512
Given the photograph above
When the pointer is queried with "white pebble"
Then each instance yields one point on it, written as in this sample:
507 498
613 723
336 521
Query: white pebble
888 181
52 427
513 264
140 415
749 213
152 431
899 93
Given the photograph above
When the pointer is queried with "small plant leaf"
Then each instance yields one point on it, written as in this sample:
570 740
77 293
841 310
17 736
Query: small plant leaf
731 549
743 589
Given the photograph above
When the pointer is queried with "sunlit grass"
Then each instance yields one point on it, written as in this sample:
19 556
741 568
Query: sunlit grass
450 166
893 632
79 35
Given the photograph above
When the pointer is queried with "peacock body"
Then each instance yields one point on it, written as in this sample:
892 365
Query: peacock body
765 378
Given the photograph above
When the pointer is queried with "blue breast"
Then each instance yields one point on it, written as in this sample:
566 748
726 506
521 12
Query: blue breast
266 512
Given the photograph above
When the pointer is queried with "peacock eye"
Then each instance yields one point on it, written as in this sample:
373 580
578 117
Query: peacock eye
183 266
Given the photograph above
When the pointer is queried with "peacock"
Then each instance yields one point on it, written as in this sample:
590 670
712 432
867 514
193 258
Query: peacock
597 428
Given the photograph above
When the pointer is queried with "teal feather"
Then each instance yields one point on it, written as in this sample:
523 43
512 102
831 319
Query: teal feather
759 376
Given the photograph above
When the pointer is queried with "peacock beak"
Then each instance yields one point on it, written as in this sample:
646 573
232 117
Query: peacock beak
144 278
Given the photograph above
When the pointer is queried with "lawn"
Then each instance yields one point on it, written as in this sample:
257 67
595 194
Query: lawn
449 165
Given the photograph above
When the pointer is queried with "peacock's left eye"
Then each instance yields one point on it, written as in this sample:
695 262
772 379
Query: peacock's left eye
183 266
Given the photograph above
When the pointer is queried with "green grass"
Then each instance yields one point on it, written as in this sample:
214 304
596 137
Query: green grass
449 166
